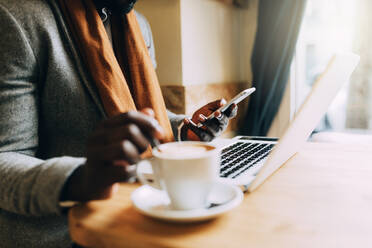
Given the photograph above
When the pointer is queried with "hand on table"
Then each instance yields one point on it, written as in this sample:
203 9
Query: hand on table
116 143
211 128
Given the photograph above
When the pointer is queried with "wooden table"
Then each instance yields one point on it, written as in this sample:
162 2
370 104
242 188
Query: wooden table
322 197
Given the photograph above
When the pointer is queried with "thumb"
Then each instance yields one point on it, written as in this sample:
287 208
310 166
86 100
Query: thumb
148 112
216 104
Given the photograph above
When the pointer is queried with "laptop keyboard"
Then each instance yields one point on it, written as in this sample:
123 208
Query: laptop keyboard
241 156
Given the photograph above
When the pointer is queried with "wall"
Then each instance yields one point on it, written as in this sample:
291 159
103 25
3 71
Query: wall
210 42
164 17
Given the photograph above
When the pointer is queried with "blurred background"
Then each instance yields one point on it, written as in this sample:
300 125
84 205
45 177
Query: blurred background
330 26
208 49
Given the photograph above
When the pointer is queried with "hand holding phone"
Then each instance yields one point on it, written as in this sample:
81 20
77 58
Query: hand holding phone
237 99
215 123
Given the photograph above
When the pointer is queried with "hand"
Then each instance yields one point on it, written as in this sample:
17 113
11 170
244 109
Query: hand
211 128
115 144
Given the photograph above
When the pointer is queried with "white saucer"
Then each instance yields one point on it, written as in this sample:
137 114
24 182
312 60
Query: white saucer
156 204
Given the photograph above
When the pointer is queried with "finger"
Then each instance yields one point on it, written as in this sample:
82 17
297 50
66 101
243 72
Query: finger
148 111
184 130
215 104
202 118
203 134
132 133
124 150
129 132
186 121
190 122
121 173
146 123
217 113
128 174
232 111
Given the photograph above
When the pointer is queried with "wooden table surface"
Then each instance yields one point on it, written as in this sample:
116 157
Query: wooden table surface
322 197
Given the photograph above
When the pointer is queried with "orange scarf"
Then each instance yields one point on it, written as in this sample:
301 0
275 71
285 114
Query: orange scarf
120 90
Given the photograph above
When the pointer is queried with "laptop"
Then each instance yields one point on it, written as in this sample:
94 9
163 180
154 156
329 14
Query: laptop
249 161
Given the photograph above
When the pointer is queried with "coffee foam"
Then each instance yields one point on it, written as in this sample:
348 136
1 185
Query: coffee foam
184 150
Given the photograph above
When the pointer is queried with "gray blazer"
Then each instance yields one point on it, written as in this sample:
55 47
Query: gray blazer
48 108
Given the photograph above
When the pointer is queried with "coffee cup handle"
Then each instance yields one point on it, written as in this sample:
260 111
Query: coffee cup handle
145 174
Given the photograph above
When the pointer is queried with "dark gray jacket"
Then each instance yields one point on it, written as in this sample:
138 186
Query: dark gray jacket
48 107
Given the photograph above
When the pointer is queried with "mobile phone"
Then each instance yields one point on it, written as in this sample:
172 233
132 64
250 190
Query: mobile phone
237 99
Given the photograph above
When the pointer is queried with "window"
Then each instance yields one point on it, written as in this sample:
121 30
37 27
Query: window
329 26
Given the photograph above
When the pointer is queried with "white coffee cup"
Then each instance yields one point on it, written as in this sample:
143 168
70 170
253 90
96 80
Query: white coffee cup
186 171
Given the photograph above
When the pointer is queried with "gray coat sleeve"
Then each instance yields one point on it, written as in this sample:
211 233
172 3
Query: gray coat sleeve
28 185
